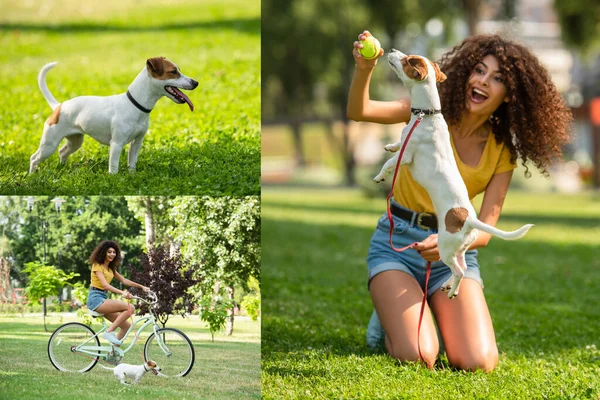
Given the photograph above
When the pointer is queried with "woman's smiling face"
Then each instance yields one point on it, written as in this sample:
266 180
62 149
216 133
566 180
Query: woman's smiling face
485 88
111 254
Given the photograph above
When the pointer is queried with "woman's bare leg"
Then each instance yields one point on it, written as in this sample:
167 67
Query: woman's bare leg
466 327
397 298
124 309
123 328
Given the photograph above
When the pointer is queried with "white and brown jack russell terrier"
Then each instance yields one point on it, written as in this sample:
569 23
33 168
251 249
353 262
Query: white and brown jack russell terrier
111 120
135 372
430 160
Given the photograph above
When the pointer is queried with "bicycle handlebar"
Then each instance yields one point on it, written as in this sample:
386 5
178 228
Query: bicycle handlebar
151 295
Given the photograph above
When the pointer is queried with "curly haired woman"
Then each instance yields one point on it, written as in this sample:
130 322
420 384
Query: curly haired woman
500 105
105 259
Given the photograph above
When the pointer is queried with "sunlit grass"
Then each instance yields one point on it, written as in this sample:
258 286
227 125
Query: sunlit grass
100 48
541 291
27 372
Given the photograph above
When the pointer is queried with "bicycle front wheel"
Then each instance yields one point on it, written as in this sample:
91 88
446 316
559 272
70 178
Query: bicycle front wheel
172 351
62 342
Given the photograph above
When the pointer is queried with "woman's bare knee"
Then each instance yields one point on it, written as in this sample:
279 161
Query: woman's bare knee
409 353
485 361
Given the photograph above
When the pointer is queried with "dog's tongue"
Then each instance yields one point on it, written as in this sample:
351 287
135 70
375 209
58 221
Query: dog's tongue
155 372
187 99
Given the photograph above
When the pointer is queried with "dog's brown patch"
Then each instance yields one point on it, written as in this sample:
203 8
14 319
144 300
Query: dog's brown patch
53 119
162 69
415 67
439 75
455 219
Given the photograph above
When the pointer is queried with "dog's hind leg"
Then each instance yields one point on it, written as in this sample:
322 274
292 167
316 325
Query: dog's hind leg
458 267
74 142
50 140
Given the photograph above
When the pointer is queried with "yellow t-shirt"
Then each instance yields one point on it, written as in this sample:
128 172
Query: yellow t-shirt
108 275
494 160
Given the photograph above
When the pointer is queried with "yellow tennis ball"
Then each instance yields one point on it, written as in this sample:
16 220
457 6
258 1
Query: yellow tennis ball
371 48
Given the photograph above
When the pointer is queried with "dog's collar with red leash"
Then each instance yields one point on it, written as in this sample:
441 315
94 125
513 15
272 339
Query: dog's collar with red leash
428 111
420 114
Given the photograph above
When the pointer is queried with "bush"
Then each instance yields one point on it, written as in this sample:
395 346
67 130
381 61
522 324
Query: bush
251 304
8 308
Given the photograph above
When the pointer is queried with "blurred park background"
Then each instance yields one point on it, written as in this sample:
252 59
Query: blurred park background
307 68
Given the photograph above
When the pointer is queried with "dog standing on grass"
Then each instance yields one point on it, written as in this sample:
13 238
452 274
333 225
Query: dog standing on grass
112 120
431 162
136 372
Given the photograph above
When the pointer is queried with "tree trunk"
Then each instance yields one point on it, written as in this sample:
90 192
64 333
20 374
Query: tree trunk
149 218
296 126
229 330
44 313
345 150
471 8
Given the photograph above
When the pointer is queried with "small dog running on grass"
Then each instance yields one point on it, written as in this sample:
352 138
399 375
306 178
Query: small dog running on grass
136 372
111 120
431 162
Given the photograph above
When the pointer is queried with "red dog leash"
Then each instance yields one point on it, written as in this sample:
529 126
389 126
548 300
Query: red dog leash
389 213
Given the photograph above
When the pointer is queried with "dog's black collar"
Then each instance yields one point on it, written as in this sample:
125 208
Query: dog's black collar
138 105
429 111
144 363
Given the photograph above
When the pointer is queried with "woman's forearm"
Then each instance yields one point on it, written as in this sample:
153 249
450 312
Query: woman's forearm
358 98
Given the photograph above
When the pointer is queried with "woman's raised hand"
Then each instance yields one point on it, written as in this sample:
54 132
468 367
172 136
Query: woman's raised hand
361 62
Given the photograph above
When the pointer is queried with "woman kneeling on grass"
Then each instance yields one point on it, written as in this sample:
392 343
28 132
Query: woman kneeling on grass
105 259
500 104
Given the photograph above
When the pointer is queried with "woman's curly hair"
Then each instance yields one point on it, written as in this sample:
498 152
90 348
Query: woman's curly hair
98 256
535 123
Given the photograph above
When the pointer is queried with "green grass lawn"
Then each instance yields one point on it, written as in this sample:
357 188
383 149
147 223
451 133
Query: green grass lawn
542 291
228 368
100 47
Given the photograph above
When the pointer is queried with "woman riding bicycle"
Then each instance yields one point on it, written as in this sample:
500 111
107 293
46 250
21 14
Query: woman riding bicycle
105 260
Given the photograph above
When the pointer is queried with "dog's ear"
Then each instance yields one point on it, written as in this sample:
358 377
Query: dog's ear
155 66
439 75
416 67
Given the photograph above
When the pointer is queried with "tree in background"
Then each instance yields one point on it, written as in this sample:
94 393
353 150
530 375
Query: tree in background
165 275
251 301
224 234
580 28
84 220
45 281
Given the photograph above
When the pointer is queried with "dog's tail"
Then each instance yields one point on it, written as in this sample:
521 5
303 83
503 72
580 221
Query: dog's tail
44 88
514 235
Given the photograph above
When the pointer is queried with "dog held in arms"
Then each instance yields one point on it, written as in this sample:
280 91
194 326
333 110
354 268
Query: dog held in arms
136 372
430 160
111 120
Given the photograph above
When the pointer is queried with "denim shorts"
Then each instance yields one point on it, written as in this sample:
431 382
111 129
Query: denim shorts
96 298
383 258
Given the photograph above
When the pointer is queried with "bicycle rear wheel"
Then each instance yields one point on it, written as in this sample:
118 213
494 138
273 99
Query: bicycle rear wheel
62 342
172 352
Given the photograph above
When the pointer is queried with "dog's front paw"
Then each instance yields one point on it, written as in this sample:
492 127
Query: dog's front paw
379 179
392 148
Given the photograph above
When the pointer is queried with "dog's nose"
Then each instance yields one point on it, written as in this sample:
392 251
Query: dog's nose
398 52
194 84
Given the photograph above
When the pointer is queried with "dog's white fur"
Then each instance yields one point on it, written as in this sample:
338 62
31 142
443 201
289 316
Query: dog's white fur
431 162
136 372
111 120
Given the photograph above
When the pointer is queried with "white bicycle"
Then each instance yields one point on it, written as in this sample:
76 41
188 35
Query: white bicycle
75 347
